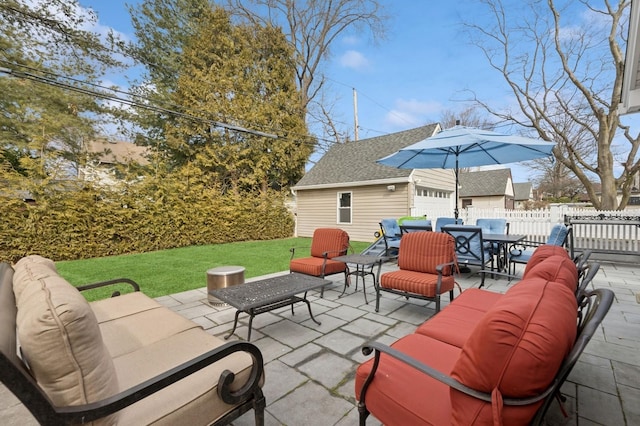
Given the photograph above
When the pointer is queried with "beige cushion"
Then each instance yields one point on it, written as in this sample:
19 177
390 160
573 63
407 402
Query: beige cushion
125 305
128 333
60 337
31 268
192 401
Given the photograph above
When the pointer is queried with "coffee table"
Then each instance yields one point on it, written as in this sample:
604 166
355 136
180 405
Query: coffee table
257 297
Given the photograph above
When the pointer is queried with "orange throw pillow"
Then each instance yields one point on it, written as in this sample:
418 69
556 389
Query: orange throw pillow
515 351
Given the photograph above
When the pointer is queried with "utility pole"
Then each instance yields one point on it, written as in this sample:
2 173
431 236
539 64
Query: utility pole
355 114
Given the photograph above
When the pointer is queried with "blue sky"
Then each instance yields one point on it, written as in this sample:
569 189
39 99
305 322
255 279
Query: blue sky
404 81
422 68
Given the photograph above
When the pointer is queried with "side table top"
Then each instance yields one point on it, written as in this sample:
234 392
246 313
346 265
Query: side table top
360 259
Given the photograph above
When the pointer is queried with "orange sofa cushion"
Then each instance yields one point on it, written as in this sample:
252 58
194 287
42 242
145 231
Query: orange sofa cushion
557 268
400 394
416 282
453 325
477 298
423 251
543 252
515 351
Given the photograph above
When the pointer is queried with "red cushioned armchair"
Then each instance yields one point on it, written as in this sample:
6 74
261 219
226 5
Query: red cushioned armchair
427 261
326 244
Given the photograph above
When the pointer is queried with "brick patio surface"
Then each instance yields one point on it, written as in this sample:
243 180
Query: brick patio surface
310 368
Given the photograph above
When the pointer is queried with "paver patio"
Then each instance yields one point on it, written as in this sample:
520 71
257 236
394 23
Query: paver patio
310 368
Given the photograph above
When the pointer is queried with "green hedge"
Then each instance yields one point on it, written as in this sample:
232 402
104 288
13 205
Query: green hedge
151 215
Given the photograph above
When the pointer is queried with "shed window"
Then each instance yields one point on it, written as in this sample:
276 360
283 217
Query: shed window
344 207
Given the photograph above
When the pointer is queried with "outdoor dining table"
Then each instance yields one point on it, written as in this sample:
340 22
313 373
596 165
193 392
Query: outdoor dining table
503 241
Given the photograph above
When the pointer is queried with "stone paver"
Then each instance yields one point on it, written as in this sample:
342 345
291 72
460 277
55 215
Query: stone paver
310 368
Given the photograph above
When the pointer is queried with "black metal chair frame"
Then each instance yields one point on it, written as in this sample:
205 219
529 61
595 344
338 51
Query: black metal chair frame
325 257
405 229
407 295
463 235
521 246
389 251
592 309
16 377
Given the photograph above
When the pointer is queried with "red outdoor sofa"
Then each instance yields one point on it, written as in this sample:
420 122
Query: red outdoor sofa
487 357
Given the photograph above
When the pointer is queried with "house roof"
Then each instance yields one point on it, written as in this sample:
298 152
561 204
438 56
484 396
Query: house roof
522 191
355 162
117 152
484 183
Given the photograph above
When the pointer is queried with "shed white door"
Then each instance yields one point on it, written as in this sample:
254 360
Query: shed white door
432 199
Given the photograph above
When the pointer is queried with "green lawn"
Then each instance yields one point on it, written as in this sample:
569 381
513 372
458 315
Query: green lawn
171 271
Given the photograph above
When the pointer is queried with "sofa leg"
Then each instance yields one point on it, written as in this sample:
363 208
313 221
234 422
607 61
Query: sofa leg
437 303
259 406
364 413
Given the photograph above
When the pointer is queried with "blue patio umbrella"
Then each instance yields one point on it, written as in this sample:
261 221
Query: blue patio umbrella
462 146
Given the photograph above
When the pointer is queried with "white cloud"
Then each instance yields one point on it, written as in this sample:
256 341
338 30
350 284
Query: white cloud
350 40
355 60
412 112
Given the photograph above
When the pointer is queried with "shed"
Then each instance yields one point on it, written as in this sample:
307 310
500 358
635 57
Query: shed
487 189
348 189
523 192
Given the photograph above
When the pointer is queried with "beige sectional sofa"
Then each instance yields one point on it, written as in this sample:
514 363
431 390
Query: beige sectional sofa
124 360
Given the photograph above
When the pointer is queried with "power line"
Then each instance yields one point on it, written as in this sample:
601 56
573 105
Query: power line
375 102
125 101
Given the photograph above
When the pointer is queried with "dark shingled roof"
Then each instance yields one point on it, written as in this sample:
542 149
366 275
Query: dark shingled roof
484 183
356 161
521 191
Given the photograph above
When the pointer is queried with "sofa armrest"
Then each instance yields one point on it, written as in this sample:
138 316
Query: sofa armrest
250 390
439 376
92 286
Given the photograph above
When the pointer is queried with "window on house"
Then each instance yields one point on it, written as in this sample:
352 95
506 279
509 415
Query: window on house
466 202
344 207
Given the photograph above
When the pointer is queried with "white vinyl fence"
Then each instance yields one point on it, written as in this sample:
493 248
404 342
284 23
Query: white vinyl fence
606 231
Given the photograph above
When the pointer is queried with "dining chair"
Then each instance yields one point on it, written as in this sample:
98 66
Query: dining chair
444 221
415 225
470 247
522 252
391 235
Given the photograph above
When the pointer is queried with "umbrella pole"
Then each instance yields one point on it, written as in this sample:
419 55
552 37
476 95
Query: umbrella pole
455 211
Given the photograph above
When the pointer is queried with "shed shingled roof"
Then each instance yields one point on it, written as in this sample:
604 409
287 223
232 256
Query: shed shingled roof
522 191
356 161
484 183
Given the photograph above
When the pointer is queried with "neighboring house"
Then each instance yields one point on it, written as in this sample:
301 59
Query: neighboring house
487 189
349 190
103 155
523 192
